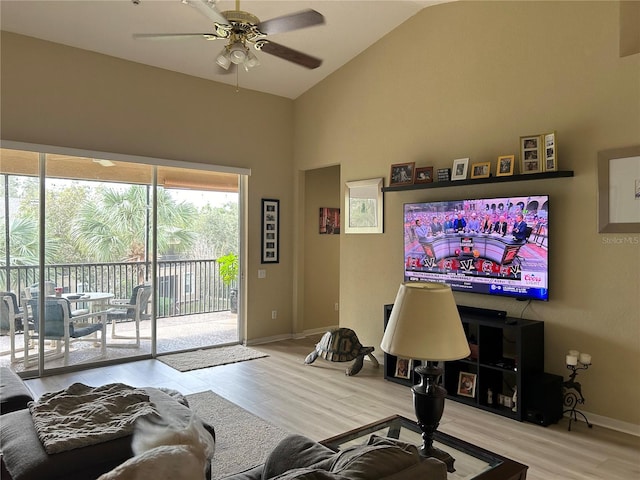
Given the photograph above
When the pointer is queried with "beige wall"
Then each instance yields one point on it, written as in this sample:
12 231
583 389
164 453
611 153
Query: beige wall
56 95
322 258
467 79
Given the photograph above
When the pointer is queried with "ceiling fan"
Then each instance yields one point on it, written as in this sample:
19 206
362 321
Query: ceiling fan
243 30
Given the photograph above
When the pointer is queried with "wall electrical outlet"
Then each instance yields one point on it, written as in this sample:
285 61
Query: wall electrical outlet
274 314
336 306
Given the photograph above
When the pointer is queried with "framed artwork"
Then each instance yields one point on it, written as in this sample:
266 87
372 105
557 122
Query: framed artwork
531 153
505 165
424 175
402 174
329 222
550 152
459 171
363 206
270 231
444 174
619 190
404 366
481 170
467 384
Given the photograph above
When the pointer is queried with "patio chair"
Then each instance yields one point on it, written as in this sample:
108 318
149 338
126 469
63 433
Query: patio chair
62 327
12 321
125 309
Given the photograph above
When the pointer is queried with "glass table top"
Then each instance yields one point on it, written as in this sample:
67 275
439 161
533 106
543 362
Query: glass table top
471 462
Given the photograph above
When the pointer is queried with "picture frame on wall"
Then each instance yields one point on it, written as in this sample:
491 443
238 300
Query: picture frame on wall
402 174
424 174
363 206
404 366
619 190
467 384
505 166
329 222
270 248
481 170
531 154
459 169
550 152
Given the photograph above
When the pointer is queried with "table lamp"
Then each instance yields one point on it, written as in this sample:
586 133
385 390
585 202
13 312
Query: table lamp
425 325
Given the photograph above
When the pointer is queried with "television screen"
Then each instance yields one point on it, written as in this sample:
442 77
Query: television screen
495 246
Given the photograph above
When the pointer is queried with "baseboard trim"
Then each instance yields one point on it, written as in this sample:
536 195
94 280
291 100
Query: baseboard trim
317 331
275 338
289 336
611 423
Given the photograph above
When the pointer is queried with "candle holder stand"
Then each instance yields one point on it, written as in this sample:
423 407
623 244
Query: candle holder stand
573 395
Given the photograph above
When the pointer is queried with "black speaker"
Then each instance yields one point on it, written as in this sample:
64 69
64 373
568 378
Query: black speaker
544 399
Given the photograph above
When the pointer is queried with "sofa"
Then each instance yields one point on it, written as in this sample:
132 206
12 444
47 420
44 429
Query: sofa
294 458
300 458
24 457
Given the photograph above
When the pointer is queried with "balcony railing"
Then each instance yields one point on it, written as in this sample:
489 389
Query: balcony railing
183 286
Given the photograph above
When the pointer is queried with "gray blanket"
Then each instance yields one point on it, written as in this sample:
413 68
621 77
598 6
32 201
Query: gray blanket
81 415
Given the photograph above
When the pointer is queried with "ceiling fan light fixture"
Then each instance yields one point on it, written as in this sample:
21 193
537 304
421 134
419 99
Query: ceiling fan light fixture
238 53
223 59
251 61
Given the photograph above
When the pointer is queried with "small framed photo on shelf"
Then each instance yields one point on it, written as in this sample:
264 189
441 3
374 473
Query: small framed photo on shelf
404 366
402 174
481 170
550 152
467 384
270 231
531 154
424 175
460 167
444 174
505 165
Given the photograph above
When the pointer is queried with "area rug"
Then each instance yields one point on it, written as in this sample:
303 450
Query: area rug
243 440
210 357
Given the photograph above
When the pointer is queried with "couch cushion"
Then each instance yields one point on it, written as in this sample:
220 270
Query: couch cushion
14 394
310 474
368 462
296 451
25 457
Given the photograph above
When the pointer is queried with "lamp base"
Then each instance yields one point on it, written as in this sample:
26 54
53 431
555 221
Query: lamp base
428 401
441 455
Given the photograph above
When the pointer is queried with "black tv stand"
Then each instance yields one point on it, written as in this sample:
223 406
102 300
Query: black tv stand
482 312
508 355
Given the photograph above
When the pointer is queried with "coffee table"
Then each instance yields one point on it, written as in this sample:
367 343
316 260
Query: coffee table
471 462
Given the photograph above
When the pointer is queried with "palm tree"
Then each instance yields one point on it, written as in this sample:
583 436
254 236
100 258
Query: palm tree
23 245
115 227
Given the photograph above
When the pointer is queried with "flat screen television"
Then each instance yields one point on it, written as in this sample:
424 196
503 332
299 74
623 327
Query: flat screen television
494 246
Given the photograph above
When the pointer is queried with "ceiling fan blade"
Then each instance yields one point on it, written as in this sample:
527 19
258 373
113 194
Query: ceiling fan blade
209 10
294 21
166 36
291 55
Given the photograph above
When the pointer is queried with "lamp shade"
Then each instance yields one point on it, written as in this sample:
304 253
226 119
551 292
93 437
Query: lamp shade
425 324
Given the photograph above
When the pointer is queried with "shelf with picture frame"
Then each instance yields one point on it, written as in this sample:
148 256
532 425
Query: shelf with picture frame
479 181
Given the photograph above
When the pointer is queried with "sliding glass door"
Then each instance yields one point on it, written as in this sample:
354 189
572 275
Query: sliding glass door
113 259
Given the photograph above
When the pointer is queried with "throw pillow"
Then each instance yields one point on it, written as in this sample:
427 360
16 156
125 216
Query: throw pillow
373 462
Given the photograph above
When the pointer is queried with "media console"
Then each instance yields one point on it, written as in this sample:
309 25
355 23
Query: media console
507 355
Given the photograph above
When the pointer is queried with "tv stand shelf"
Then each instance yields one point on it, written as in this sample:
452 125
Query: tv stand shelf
478 181
510 354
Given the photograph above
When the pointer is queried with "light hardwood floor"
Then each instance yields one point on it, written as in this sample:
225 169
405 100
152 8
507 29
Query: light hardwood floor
319 401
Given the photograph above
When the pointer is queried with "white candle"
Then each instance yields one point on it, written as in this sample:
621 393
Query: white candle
585 359
574 353
572 360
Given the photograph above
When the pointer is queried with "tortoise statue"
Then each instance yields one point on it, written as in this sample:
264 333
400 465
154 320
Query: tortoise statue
342 345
